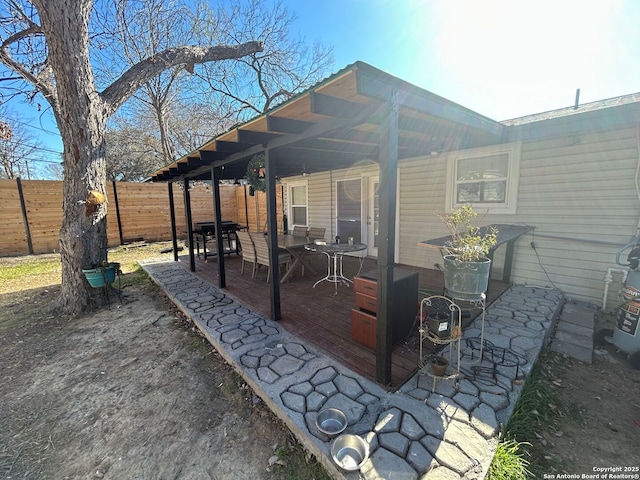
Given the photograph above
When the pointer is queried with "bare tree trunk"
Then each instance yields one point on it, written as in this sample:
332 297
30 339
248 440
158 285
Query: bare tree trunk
63 75
83 235
167 151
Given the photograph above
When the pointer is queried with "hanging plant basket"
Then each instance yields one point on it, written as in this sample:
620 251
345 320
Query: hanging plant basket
256 173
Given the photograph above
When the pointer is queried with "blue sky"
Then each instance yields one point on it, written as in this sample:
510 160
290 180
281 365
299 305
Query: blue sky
501 58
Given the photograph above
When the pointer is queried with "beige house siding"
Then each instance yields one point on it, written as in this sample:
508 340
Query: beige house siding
578 191
321 191
320 195
422 193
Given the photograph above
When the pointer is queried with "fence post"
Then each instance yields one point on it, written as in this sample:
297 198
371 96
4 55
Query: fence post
25 217
115 198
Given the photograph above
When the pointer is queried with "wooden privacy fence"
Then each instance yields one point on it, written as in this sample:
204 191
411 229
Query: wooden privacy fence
31 212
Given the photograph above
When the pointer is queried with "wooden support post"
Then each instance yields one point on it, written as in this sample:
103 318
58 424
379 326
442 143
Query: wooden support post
217 213
172 215
386 239
189 220
272 228
246 207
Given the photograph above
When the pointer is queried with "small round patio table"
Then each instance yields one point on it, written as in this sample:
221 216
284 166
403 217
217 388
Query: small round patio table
334 253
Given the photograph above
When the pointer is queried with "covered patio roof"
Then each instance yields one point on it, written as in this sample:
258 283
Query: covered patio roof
336 124
360 114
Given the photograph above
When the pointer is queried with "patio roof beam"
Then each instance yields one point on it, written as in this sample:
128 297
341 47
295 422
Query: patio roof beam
256 138
430 104
334 106
231 147
234 157
212 156
195 162
357 136
305 155
326 128
291 165
328 145
286 125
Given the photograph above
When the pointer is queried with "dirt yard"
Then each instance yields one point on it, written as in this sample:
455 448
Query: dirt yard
129 392
602 426
132 392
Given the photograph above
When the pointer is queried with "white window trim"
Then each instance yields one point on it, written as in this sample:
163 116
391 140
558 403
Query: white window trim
513 176
290 185
362 179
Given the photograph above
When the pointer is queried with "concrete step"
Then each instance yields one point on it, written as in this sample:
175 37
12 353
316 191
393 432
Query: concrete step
574 332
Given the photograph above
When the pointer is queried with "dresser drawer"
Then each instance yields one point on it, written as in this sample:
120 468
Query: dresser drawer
365 286
363 328
367 302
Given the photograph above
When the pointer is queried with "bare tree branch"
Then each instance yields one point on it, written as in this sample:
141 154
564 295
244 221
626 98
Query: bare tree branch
131 80
39 80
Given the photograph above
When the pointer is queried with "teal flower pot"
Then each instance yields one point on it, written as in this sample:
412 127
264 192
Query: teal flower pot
97 276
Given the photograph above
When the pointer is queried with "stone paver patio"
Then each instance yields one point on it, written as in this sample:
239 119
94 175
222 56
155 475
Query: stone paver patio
444 429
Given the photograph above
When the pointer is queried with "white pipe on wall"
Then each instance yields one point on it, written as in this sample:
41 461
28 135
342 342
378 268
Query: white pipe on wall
608 278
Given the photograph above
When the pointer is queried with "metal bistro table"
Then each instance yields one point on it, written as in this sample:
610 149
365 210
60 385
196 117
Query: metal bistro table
334 253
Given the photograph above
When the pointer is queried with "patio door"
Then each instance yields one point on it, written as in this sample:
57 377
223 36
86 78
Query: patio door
349 209
373 216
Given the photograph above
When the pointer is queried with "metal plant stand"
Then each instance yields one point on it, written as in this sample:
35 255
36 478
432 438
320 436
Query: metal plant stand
107 287
441 304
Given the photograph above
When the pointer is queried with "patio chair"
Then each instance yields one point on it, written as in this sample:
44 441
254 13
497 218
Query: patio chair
262 254
248 251
299 231
314 234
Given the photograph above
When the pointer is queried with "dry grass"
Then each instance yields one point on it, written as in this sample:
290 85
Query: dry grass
34 271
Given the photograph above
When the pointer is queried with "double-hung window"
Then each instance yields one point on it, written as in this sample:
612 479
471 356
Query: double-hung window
485 177
298 204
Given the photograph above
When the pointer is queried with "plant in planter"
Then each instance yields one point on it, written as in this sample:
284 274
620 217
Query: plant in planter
466 262
439 365
99 274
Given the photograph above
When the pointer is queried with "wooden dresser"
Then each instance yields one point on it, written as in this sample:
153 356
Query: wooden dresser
403 312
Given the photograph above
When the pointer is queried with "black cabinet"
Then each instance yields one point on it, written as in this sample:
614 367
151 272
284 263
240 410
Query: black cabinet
404 310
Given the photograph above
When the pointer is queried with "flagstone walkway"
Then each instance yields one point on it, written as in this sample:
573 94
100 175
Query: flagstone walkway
429 429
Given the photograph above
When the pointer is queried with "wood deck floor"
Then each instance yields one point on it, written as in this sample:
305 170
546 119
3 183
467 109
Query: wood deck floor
321 317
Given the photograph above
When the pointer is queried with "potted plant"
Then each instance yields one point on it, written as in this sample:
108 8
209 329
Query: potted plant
97 275
439 365
466 262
